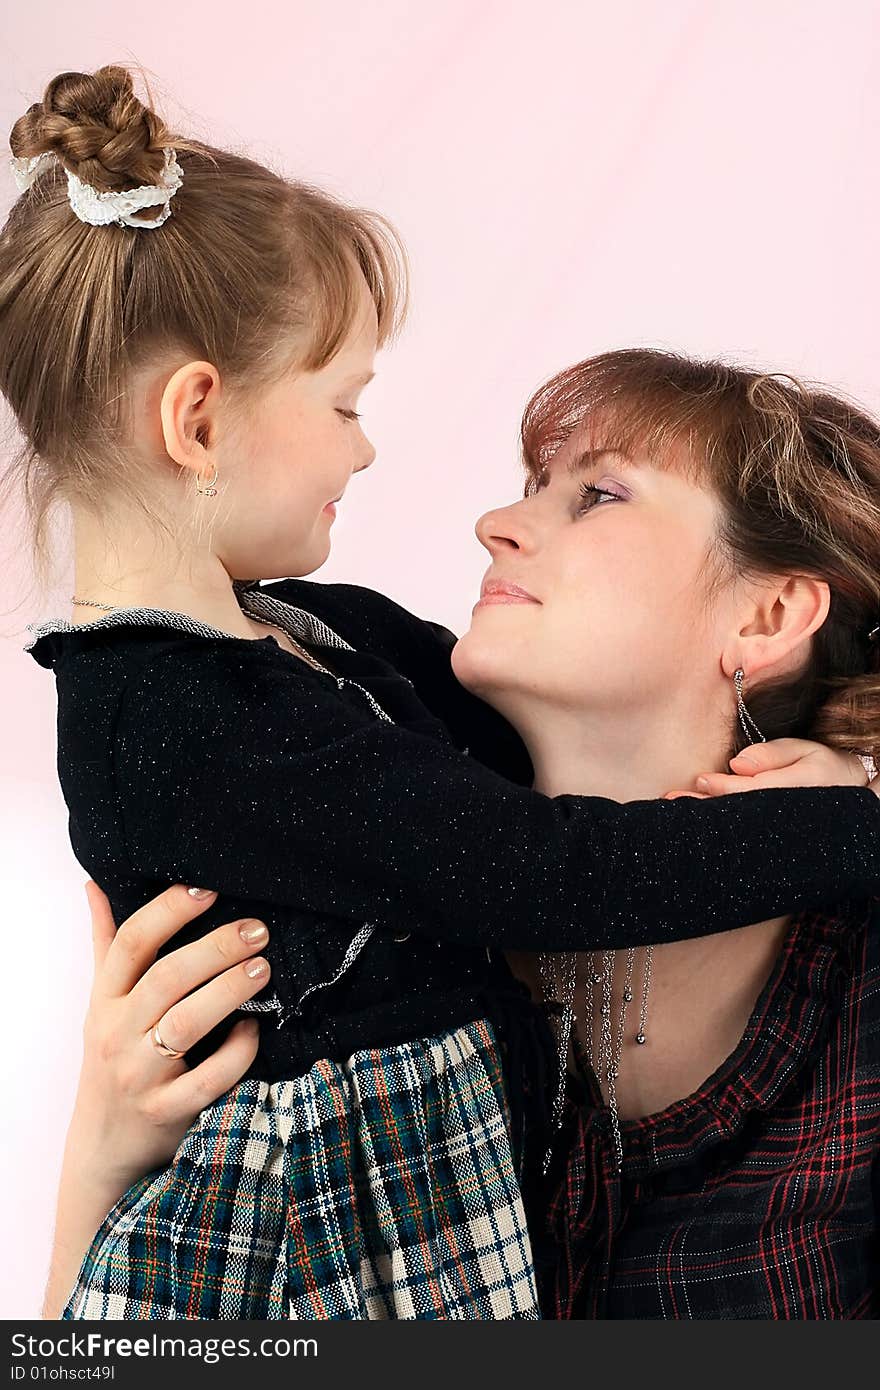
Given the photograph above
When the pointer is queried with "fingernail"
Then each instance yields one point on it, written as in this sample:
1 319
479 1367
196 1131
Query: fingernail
200 892
253 931
744 758
256 967
703 782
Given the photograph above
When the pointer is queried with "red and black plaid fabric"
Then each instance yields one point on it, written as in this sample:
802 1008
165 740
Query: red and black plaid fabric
759 1195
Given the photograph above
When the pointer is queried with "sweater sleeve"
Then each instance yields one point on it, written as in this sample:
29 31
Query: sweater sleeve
233 773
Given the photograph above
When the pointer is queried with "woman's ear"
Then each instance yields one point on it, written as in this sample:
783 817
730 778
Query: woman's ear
188 409
783 617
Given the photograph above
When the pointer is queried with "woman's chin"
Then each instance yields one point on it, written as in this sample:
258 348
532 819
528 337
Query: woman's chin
479 665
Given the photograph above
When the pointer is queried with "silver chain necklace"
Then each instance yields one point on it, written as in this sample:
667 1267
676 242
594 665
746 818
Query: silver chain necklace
559 973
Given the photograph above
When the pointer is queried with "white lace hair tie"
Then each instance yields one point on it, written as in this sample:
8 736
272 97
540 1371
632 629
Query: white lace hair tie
99 209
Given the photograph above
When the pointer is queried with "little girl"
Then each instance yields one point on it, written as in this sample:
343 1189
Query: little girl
183 338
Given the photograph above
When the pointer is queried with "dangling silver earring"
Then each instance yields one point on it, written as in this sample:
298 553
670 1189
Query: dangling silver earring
753 733
210 490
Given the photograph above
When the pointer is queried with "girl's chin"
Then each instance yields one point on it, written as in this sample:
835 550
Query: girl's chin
313 555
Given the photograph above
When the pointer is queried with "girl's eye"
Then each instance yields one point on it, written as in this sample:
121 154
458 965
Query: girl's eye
348 414
590 494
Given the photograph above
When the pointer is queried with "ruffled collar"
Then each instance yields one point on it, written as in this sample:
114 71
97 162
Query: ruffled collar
252 599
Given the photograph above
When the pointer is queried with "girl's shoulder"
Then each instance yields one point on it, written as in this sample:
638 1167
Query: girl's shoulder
369 620
420 651
159 663
365 619
121 645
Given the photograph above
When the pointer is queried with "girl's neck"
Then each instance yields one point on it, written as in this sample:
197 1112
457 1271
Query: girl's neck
202 588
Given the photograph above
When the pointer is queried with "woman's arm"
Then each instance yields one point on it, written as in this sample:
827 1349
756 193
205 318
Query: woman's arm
134 1105
281 789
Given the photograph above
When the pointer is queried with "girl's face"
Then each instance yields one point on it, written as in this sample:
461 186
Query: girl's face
597 595
291 458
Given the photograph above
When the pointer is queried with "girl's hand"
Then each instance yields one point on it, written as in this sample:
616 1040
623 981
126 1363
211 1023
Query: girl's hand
134 1104
784 762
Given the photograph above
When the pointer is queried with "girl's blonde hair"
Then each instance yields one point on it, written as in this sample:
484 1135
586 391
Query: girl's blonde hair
797 470
252 271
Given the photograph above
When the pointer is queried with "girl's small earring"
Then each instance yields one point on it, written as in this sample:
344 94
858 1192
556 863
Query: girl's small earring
750 728
210 490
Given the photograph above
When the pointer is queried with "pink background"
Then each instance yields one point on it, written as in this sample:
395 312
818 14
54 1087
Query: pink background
568 177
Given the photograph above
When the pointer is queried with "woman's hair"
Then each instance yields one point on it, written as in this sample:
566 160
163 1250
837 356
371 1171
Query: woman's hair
252 271
797 470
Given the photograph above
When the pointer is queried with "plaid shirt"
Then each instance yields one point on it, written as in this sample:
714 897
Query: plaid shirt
757 1196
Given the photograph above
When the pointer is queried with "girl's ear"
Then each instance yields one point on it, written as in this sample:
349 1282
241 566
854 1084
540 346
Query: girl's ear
188 411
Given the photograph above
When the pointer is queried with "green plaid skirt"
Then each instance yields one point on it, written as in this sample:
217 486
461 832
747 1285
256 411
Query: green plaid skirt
382 1187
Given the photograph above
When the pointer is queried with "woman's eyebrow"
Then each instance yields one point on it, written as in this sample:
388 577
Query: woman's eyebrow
360 379
588 458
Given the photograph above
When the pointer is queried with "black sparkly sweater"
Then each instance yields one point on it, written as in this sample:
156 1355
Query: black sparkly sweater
391 860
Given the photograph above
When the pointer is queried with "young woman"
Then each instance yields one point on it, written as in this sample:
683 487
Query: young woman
307 752
688 521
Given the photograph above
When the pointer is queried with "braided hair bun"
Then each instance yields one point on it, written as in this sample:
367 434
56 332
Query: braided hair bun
98 129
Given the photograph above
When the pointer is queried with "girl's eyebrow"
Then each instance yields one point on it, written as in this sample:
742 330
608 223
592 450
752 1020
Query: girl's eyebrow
360 380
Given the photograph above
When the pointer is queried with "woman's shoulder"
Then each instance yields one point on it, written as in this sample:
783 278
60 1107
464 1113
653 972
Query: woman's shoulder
867 971
842 962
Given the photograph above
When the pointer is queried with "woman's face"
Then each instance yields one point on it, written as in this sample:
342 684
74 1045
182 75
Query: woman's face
597 596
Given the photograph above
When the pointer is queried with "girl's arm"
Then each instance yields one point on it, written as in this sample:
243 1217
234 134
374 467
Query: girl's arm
281 789
421 651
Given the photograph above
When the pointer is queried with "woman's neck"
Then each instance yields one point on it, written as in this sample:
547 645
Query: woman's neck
702 995
702 991
636 756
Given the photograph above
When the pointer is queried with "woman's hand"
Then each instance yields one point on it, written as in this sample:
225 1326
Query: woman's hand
133 1104
783 762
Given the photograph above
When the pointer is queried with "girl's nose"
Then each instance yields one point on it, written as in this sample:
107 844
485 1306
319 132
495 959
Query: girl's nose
366 457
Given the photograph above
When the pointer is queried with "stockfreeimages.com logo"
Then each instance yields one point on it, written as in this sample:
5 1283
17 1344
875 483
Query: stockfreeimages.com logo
96 1346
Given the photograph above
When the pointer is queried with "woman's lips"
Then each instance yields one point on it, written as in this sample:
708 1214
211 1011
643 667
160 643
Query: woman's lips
496 592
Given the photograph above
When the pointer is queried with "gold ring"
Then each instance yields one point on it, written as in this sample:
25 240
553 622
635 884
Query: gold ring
160 1046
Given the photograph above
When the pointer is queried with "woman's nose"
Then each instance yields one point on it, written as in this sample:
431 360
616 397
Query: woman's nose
502 530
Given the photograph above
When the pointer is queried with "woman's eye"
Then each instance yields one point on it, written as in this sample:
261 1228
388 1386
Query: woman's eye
348 414
590 495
